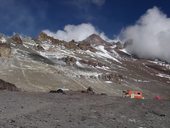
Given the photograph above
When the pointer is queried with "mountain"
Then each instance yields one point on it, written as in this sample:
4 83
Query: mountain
95 40
45 63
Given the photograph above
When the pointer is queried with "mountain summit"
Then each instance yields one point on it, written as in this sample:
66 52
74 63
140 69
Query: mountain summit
95 39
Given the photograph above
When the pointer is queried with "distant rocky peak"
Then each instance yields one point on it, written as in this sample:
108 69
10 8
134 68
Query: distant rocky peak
95 39
44 37
95 36
17 39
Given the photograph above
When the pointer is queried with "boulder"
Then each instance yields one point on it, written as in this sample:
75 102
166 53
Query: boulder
57 91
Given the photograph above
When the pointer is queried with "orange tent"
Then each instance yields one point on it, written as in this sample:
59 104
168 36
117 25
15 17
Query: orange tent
134 94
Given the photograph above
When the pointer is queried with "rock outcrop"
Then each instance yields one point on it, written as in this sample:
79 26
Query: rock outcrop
95 40
17 39
93 63
86 46
112 77
71 45
69 60
44 37
5 50
7 86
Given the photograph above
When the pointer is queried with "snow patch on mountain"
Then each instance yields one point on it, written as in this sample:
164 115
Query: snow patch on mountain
79 64
46 45
163 75
103 68
108 82
56 52
125 51
104 53
3 40
161 63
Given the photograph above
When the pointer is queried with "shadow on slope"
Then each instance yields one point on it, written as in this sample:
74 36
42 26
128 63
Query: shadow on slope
40 58
7 86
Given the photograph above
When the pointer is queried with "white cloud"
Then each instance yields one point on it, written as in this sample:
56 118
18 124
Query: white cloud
150 36
76 32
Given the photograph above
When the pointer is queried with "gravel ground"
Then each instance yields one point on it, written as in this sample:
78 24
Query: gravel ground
78 110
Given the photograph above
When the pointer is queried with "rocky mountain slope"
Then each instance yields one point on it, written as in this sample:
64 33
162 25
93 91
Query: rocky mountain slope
46 63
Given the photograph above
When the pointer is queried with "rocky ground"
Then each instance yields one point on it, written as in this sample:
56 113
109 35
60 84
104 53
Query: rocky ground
80 110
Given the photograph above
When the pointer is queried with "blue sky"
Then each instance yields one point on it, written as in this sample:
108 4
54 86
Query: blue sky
30 17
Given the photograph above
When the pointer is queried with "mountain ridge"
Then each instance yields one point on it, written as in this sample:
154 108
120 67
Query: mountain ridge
45 64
